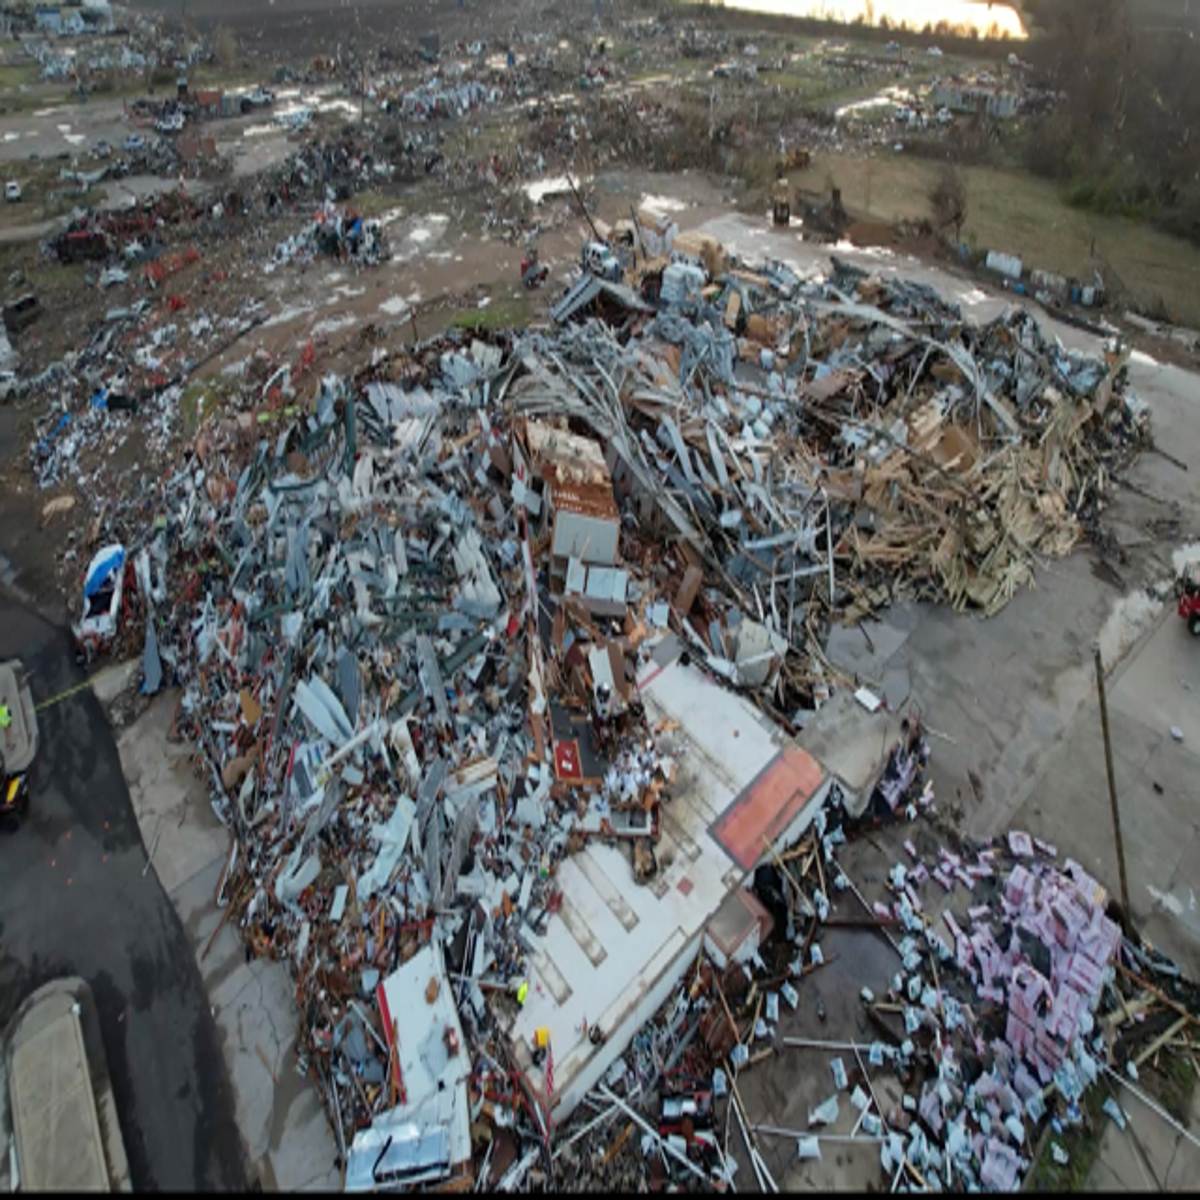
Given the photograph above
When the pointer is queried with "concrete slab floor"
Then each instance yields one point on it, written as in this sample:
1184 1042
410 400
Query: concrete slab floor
1155 775
1148 1155
279 1113
782 1090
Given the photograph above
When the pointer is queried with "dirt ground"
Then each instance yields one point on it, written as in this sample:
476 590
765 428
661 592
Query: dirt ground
292 28
443 271
1014 213
453 263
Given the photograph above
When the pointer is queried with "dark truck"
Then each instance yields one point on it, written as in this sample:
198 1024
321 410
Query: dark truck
22 312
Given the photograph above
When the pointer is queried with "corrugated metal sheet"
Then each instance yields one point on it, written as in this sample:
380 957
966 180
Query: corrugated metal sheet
586 288
580 294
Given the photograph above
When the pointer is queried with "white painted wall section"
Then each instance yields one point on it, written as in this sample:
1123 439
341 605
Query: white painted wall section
589 539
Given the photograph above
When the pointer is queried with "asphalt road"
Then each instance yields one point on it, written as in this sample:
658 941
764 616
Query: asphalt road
74 901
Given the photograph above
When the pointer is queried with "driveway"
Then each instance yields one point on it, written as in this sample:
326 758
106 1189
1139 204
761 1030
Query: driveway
1154 719
75 901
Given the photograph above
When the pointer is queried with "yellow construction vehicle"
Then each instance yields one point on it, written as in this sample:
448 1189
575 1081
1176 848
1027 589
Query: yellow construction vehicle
781 201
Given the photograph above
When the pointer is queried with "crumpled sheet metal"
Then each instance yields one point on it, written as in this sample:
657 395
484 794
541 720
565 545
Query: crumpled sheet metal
364 575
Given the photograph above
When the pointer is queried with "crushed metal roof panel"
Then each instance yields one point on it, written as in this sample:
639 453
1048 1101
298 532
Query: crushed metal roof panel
396 698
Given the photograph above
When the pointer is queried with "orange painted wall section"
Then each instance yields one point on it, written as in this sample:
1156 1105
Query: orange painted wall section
766 808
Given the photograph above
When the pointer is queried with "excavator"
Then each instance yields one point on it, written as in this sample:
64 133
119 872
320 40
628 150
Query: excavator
781 201
781 191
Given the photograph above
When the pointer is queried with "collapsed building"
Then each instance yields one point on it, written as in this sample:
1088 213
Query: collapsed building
504 659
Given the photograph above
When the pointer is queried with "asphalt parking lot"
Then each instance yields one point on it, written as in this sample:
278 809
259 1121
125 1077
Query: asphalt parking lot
76 902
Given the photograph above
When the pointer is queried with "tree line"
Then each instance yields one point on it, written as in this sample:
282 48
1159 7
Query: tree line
1125 134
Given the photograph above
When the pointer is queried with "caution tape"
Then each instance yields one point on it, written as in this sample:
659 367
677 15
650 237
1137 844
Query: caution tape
71 691
61 696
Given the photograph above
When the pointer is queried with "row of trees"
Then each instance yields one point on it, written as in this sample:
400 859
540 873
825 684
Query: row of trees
1126 134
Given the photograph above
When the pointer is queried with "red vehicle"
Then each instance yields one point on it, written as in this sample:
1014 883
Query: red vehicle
533 274
1189 602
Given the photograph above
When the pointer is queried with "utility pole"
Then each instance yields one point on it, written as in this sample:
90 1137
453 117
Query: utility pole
583 207
1112 784
362 69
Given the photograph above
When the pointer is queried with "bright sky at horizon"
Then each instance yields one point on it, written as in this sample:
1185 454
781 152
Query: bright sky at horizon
915 14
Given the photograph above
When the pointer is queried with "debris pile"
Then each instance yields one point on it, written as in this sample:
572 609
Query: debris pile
1008 1007
385 613
436 99
348 236
830 447
1002 1017
1011 1012
362 679
129 374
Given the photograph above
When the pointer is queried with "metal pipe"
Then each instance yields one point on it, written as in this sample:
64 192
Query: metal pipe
481 1179
1150 1104
633 1116
829 546
366 1020
737 1112
764 1169
865 1139
1112 784
875 1099
815 1044
604 1116
863 901
353 744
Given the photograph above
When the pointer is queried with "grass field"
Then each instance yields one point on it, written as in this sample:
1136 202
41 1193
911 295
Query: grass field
1014 212
23 90
506 311
43 195
14 75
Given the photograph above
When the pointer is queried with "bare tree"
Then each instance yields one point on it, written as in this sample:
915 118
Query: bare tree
948 199
225 46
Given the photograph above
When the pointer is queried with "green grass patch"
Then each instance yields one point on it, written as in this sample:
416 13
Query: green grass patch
1111 197
199 402
18 75
52 95
125 87
227 78
191 406
496 137
820 92
373 203
1082 1144
51 275
788 81
1174 1083
504 312
44 194
644 73
1019 214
